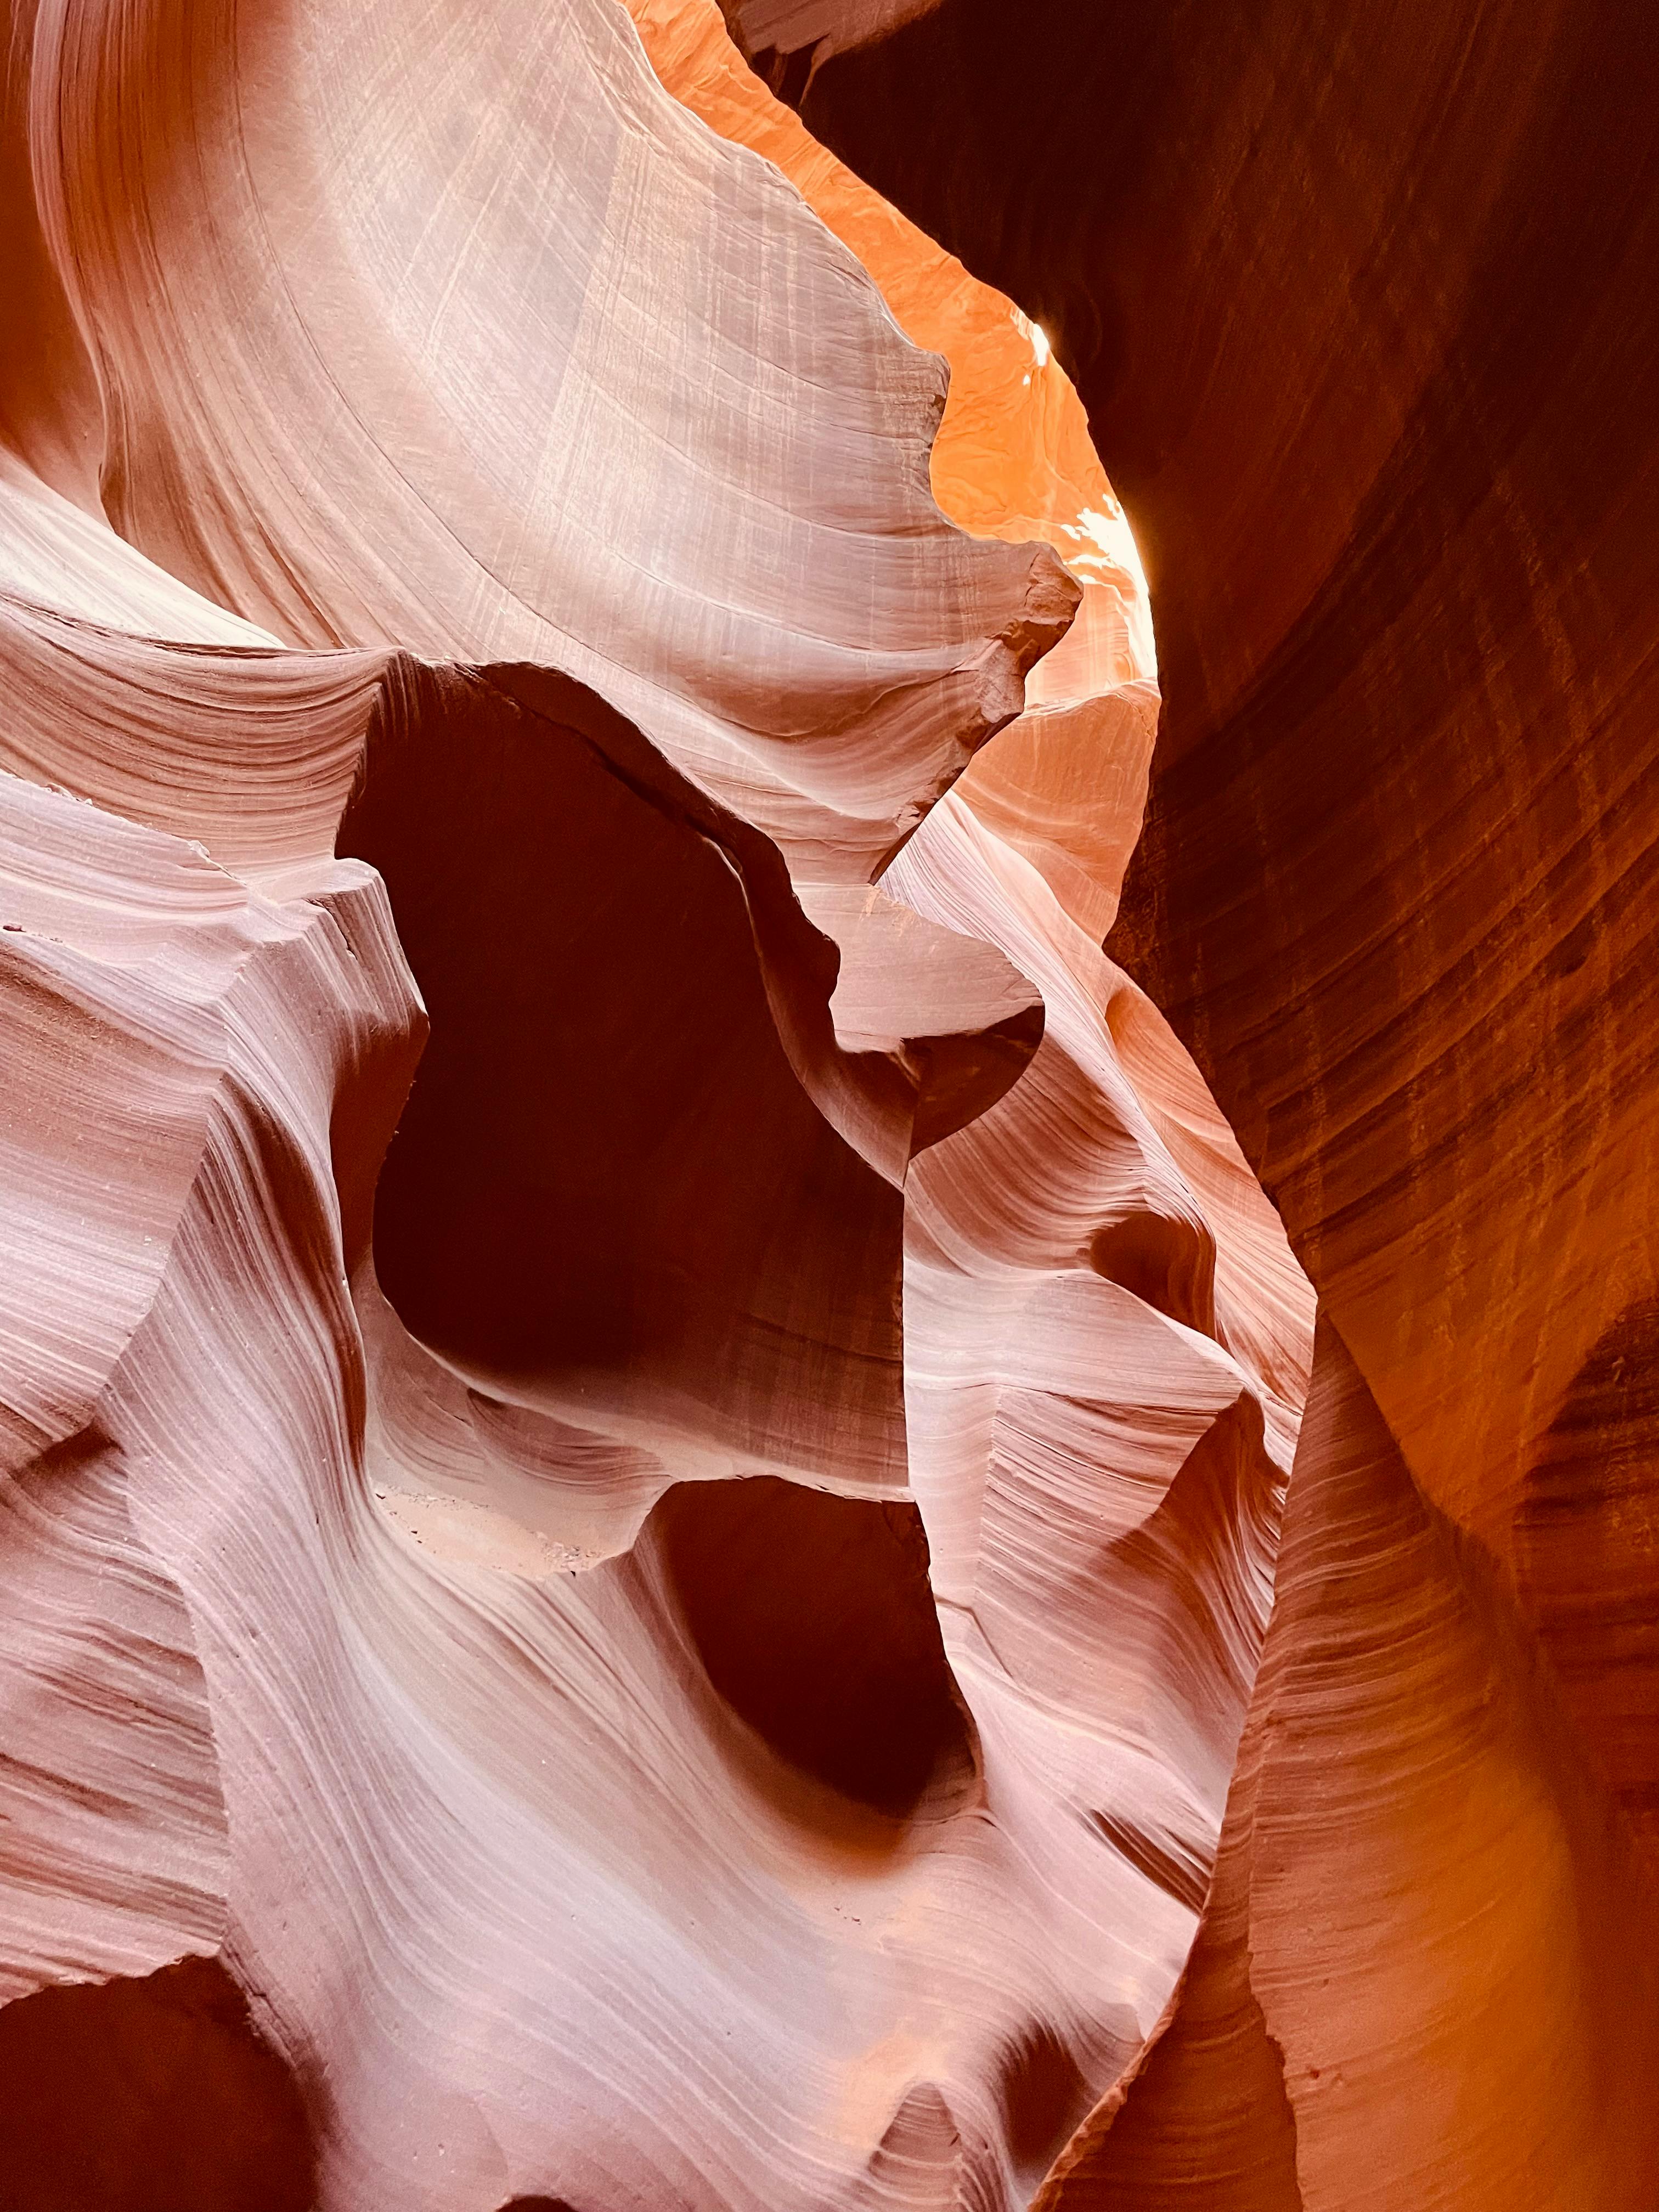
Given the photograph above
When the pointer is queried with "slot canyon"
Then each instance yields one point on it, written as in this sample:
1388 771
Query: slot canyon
829 1165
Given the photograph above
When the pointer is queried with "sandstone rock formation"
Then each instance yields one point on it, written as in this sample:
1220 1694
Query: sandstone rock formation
654 1536
1363 314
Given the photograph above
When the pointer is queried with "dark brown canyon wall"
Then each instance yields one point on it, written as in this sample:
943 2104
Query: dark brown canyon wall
1364 306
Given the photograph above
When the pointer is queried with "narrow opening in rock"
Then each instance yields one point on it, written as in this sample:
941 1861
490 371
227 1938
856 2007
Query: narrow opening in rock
814 1617
147 2095
609 1189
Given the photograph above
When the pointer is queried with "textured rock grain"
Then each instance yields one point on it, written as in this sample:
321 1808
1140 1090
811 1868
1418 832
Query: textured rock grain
658 1540
645 1407
1362 314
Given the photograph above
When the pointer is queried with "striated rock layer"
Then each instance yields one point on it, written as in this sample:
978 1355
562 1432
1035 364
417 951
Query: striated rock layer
1362 310
644 1407
659 1542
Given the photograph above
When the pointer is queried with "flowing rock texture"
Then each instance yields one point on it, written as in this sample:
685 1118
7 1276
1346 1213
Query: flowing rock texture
1364 306
646 1408
675 1534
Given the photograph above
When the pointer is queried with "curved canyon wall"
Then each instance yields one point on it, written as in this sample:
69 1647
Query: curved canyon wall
645 1407
1363 312
658 1529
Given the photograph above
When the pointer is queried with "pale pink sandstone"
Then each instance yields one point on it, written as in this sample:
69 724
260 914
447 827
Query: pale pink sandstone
736 1707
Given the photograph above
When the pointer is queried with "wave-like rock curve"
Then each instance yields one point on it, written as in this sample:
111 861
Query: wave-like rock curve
1362 314
646 1408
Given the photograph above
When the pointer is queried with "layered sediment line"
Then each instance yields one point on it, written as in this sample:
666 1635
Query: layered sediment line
646 1408
1361 314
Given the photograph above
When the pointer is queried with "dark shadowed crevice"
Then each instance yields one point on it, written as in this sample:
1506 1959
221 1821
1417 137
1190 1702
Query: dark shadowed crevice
1043 2097
958 1076
814 1618
610 1189
1167 1261
151 2095
1170 1871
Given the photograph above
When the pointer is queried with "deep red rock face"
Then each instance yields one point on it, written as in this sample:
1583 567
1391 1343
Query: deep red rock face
654 1540
152 2093
1363 312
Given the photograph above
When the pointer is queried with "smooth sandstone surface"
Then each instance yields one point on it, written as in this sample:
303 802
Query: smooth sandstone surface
1362 311
645 1407
674 1530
